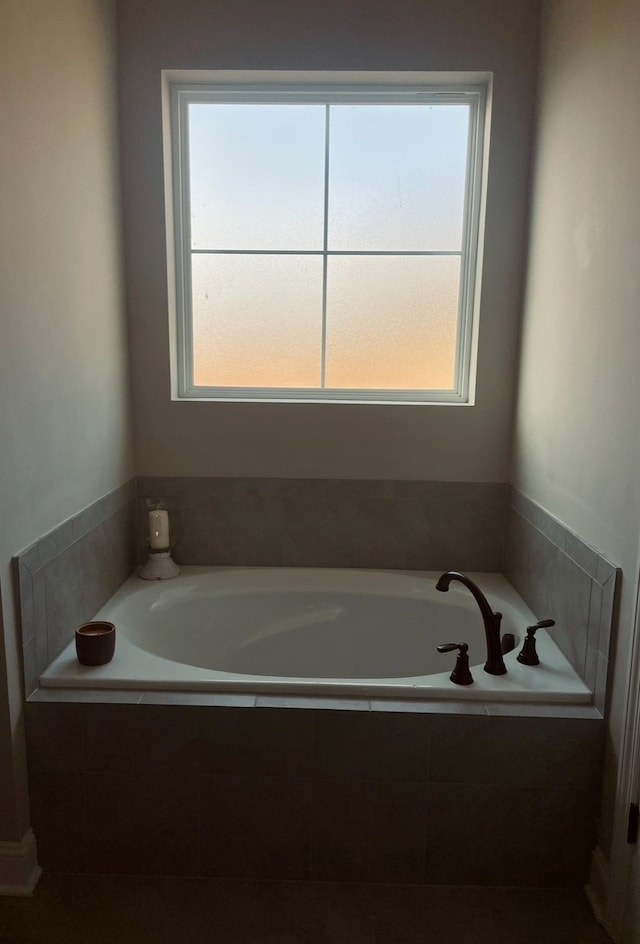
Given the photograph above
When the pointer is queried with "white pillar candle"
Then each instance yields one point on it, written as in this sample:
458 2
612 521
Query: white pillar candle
159 529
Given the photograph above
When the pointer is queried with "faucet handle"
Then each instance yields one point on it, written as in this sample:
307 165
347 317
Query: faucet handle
461 674
543 624
528 654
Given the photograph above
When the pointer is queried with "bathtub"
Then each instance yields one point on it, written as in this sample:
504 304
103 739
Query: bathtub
316 632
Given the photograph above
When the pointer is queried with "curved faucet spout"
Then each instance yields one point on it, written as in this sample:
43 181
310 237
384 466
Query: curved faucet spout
495 663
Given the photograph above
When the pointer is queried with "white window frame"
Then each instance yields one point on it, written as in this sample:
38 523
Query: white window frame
182 89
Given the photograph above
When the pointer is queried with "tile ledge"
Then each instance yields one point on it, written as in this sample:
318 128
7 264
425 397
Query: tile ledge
306 703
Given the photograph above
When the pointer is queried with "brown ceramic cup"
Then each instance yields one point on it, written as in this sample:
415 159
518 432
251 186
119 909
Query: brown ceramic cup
95 642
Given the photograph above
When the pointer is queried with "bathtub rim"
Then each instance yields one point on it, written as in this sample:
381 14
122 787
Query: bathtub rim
358 690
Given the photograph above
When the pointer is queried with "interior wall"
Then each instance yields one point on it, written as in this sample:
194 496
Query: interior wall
335 440
64 424
577 435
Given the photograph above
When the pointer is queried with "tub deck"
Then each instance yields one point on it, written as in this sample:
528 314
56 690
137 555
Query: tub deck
156 647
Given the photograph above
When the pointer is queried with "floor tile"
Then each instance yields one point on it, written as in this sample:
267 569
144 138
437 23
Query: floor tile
429 914
313 913
192 911
71 909
555 916
99 909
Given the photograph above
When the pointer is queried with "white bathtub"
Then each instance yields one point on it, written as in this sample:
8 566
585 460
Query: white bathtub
315 631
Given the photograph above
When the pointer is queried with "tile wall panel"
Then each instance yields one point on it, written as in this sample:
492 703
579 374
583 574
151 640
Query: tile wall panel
480 834
562 578
369 830
335 523
256 827
303 793
68 574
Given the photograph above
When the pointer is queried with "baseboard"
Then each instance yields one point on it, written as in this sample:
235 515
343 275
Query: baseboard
597 888
19 869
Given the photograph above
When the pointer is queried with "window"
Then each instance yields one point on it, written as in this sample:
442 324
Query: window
324 242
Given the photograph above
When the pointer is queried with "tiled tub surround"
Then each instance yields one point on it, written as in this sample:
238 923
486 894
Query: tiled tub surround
364 795
336 523
243 786
560 576
406 525
67 575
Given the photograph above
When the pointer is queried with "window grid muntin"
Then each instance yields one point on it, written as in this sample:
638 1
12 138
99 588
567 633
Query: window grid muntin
183 95
325 246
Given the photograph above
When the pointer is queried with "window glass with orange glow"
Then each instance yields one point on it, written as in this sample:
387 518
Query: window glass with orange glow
324 239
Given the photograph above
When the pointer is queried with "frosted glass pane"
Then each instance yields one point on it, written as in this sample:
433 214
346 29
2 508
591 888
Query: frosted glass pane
257 176
257 320
397 177
392 322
